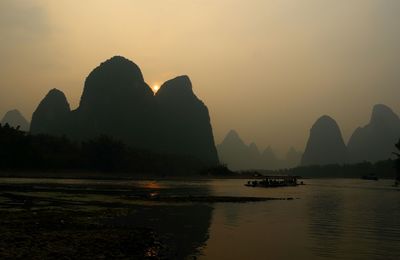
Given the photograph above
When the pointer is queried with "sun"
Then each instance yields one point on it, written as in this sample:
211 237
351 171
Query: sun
155 88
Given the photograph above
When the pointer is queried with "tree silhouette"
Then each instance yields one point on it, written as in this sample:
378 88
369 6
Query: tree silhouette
105 154
20 151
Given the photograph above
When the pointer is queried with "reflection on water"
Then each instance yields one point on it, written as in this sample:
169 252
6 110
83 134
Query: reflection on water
360 221
330 219
325 209
183 228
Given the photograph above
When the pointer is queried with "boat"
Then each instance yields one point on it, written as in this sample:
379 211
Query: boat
274 182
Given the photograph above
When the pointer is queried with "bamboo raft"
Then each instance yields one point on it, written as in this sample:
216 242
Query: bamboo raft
275 181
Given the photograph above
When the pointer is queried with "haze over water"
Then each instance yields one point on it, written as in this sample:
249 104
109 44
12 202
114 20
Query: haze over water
265 68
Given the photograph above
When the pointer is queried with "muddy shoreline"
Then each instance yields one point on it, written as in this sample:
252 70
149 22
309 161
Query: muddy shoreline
76 221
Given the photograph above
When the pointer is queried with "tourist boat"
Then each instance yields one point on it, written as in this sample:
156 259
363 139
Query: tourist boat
274 182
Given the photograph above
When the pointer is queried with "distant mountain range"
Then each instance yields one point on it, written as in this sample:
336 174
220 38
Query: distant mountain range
374 142
240 156
14 118
117 102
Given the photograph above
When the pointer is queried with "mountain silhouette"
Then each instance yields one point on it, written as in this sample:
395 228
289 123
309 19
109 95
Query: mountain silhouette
325 144
117 102
14 118
255 157
375 141
51 114
238 155
184 121
293 158
234 152
270 161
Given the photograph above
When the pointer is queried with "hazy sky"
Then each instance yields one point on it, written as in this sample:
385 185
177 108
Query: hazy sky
267 68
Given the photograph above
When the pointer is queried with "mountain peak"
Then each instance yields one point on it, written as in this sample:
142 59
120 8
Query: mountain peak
232 133
52 108
233 140
268 151
180 86
326 125
116 82
381 108
123 64
12 113
254 148
14 118
232 136
325 120
253 145
325 144
374 142
56 93
383 113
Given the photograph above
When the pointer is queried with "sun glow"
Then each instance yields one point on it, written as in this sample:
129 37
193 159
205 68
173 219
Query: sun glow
155 88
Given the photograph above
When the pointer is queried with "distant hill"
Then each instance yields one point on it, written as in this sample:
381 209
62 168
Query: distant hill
270 161
372 143
382 169
117 102
375 141
234 152
325 144
293 158
51 116
14 118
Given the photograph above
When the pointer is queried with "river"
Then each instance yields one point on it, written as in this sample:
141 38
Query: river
327 218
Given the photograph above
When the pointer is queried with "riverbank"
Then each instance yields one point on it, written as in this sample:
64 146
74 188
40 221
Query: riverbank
72 234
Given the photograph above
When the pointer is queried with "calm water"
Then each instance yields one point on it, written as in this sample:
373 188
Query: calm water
337 219
329 219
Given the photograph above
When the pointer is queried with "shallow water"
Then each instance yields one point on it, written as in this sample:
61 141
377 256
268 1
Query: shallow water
328 219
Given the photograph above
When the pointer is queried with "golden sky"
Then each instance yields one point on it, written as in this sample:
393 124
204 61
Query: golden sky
267 68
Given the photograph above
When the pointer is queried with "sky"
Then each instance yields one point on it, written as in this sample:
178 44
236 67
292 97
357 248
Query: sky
266 68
